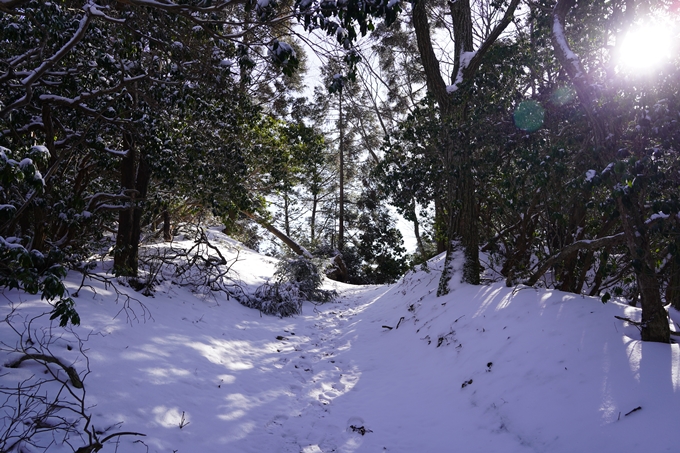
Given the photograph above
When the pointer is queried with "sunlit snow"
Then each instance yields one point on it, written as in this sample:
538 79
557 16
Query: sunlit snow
383 369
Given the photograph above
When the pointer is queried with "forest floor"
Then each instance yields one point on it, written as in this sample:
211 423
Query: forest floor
381 369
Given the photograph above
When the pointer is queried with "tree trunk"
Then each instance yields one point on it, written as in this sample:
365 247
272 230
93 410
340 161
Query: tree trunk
167 234
124 234
141 185
568 277
654 317
469 228
416 230
341 202
463 225
655 325
286 214
440 226
312 221
294 246
135 174
673 288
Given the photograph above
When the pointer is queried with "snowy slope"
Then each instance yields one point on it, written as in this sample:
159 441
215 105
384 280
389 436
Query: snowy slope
382 369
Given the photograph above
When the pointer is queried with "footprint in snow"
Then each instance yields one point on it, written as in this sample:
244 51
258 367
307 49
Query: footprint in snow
297 375
275 423
290 446
325 400
303 365
316 409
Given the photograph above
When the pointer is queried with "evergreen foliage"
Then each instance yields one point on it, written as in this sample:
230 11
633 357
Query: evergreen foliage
296 280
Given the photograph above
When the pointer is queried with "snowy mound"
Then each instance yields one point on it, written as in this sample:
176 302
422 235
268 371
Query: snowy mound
381 369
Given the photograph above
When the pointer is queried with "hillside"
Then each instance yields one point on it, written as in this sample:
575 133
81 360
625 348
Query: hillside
381 369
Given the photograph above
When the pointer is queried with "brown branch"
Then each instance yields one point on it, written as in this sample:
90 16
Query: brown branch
435 82
294 246
72 374
476 61
571 248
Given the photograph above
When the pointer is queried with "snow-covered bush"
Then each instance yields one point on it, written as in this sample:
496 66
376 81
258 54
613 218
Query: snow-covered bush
295 281
21 265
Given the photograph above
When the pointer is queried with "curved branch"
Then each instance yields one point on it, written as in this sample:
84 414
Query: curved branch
577 74
433 77
585 244
72 373
476 61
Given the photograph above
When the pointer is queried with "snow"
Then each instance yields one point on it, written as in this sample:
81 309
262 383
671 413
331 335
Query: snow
658 215
11 243
465 58
590 174
40 150
284 50
608 168
558 32
25 163
382 369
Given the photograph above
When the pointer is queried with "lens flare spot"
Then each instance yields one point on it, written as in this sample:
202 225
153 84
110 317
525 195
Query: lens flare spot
563 96
529 116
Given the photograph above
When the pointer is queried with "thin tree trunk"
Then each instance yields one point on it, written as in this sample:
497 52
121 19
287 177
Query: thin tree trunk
124 234
341 206
312 222
141 185
673 288
286 214
294 246
416 230
655 325
135 175
167 234
567 276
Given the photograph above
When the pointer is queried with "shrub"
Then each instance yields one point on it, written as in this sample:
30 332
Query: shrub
295 281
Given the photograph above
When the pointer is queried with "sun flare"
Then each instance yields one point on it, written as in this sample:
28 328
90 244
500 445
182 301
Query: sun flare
647 46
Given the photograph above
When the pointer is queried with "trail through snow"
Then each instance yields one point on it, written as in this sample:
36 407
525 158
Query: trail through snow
382 369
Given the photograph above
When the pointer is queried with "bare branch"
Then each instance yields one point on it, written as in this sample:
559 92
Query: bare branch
585 244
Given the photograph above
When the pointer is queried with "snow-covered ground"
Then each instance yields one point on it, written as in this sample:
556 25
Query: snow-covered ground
382 369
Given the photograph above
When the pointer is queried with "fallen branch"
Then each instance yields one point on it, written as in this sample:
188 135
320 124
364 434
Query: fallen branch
98 445
634 410
635 323
72 373
640 325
